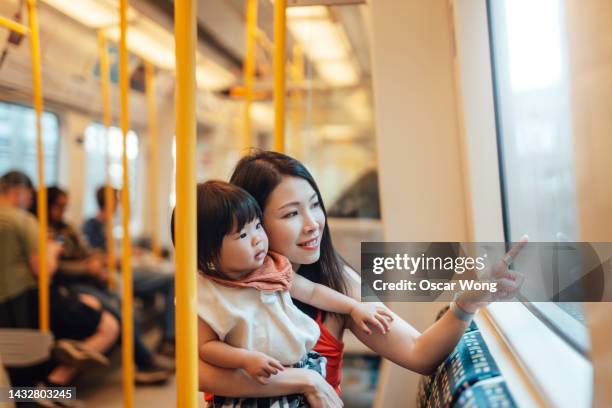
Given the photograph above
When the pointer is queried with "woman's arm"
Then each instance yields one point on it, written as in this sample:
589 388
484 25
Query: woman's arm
237 383
423 352
404 345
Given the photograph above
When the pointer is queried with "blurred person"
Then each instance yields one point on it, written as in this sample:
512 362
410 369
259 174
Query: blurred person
72 317
147 280
83 270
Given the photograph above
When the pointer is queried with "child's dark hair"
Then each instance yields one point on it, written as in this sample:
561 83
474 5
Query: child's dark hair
222 208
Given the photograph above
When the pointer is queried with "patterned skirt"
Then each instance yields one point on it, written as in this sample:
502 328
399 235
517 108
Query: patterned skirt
312 361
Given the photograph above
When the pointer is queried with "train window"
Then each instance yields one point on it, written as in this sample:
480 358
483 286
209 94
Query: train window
18 141
95 149
532 99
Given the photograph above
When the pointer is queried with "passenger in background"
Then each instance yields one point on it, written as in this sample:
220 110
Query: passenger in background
71 317
83 270
148 281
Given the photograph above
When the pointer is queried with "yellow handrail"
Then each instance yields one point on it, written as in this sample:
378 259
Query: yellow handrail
279 74
249 69
43 278
264 42
14 26
154 156
185 213
109 191
297 78
127 337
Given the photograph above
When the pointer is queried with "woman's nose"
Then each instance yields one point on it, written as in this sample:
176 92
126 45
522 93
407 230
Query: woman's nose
310 224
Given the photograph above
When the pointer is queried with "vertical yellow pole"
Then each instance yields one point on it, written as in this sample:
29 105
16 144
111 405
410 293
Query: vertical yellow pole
127 337
249 69
43 278
297 78
185 232
279 74
109 191
153 157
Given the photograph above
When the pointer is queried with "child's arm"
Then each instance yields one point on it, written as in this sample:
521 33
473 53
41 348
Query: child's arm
258 365
324 298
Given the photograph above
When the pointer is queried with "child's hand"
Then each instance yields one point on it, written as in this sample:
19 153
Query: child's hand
373 314
261 366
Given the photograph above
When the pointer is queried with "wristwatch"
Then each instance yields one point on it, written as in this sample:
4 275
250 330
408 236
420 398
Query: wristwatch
459 312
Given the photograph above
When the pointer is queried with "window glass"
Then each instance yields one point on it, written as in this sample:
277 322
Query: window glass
18 148
95 149
532 97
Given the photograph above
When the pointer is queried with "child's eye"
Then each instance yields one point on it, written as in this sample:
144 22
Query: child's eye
258 226
316 204
290 215
242 235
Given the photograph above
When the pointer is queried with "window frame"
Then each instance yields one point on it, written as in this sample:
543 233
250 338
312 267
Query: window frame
572 331
530 364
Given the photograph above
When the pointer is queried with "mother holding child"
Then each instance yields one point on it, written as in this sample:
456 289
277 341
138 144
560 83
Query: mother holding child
274 299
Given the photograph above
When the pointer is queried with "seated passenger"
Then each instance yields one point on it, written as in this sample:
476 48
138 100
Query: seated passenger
147 280
71 317
83 270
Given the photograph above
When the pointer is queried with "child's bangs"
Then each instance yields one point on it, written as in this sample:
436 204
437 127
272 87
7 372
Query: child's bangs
245 209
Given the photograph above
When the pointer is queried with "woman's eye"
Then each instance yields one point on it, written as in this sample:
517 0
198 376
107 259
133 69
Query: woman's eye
291 214
316 204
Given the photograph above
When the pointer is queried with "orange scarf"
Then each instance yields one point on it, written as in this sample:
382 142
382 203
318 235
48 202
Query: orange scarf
275 274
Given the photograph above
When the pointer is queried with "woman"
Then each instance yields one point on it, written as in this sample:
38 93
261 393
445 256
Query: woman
295 221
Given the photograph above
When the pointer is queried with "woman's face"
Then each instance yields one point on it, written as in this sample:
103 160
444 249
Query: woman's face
294 221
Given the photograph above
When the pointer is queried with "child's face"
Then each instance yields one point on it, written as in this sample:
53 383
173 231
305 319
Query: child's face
243 251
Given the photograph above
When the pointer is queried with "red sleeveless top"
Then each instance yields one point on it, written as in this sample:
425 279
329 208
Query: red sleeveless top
331 348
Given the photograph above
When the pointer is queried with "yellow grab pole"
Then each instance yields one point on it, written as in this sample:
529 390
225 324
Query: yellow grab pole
127 322
279 75
109 191
297 77
154 156
14 26
43 277
249 69
185 213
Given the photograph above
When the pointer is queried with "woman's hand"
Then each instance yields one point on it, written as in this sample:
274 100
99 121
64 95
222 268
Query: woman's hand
507 282
319 393
261 366
374 314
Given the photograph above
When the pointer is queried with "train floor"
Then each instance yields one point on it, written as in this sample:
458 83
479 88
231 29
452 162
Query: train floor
104 387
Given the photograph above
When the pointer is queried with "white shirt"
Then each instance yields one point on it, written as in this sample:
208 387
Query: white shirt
250 319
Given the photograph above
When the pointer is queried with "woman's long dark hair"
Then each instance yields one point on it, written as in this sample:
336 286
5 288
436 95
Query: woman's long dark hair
260 173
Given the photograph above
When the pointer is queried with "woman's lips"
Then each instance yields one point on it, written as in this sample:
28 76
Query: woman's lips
310 244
